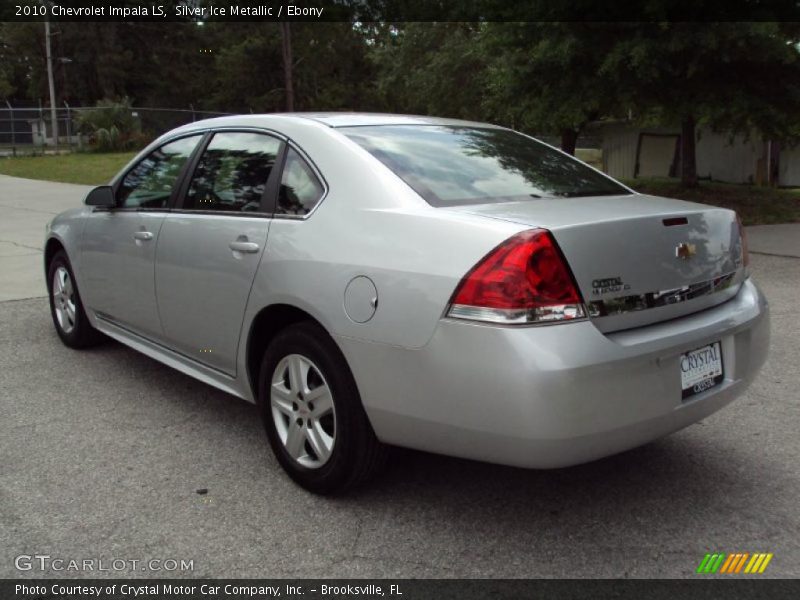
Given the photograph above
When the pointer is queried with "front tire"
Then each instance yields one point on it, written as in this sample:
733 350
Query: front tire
312 412
66 308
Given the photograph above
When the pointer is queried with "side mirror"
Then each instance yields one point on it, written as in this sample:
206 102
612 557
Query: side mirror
101 196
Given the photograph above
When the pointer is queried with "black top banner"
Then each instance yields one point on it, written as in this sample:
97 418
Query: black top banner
399 589
399 10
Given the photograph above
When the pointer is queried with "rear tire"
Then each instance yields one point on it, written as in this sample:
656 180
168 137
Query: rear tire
66 308
312 412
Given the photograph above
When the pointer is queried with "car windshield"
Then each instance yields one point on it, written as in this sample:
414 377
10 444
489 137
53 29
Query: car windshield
449 166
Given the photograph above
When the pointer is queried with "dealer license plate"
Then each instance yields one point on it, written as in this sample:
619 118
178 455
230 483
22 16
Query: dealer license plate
701 370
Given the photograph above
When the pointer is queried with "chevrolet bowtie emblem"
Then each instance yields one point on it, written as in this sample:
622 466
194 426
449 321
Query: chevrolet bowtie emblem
685 251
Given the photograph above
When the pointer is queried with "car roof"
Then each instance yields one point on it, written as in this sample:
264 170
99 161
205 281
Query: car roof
330 119
358 119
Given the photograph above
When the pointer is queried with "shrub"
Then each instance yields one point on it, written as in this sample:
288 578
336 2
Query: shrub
111 126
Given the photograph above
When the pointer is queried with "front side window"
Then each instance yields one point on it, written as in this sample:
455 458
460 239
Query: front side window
149 184
300 189
449 166
232 173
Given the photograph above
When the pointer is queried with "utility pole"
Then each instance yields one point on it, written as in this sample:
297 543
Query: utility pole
53 116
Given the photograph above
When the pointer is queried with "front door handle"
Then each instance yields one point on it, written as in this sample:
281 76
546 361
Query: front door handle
244 247
143 235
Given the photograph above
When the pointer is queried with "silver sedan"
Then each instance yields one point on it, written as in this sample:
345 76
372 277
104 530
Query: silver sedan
374 280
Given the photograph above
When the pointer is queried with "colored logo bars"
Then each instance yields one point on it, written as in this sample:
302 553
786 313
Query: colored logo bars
734 563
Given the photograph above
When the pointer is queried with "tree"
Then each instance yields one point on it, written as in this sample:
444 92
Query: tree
430 68
22 61
153 63
546 77
733 76
329 68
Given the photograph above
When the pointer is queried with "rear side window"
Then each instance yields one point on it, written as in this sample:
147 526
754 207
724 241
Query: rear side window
232 173
449 166
149 184
300 189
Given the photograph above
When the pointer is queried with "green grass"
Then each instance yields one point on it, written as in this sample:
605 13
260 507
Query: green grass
756 205
85 167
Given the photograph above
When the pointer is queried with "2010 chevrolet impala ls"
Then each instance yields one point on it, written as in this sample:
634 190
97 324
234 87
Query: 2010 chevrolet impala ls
372 280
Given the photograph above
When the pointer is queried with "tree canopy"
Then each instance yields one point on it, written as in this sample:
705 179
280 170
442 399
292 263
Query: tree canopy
549 78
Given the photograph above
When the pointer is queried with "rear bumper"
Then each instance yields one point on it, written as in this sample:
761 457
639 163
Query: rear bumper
553 396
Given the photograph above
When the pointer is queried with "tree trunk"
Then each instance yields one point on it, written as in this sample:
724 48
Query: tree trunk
569 139
688 161
286 49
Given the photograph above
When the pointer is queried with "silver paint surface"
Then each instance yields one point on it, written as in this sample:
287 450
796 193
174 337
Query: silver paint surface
539 396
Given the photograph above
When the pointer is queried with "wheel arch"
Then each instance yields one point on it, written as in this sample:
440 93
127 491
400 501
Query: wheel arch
51 248
269 321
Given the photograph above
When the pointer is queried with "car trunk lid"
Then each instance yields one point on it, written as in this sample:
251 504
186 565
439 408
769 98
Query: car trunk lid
637 259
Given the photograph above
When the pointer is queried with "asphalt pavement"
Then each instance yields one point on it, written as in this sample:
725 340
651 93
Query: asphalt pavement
107 454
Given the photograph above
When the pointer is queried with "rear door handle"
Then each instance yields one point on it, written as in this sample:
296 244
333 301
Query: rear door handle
245 247
143 235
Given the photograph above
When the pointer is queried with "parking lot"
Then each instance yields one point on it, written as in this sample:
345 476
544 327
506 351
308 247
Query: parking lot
104 451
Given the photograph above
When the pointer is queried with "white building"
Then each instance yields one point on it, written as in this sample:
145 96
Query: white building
42 134
630 151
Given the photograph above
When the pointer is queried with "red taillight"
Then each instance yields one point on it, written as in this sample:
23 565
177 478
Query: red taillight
524 280
743 235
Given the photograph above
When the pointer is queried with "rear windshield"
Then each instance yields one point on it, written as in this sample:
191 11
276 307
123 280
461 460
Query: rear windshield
449 166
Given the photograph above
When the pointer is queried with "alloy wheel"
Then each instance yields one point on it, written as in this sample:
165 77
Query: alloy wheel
64 299
303 411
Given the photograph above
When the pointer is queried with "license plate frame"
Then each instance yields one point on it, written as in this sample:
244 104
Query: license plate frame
707 372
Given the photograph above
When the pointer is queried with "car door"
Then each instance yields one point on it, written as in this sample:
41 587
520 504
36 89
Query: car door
211 244
118 244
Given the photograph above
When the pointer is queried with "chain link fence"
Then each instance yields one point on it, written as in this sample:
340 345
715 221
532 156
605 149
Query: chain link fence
26 130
